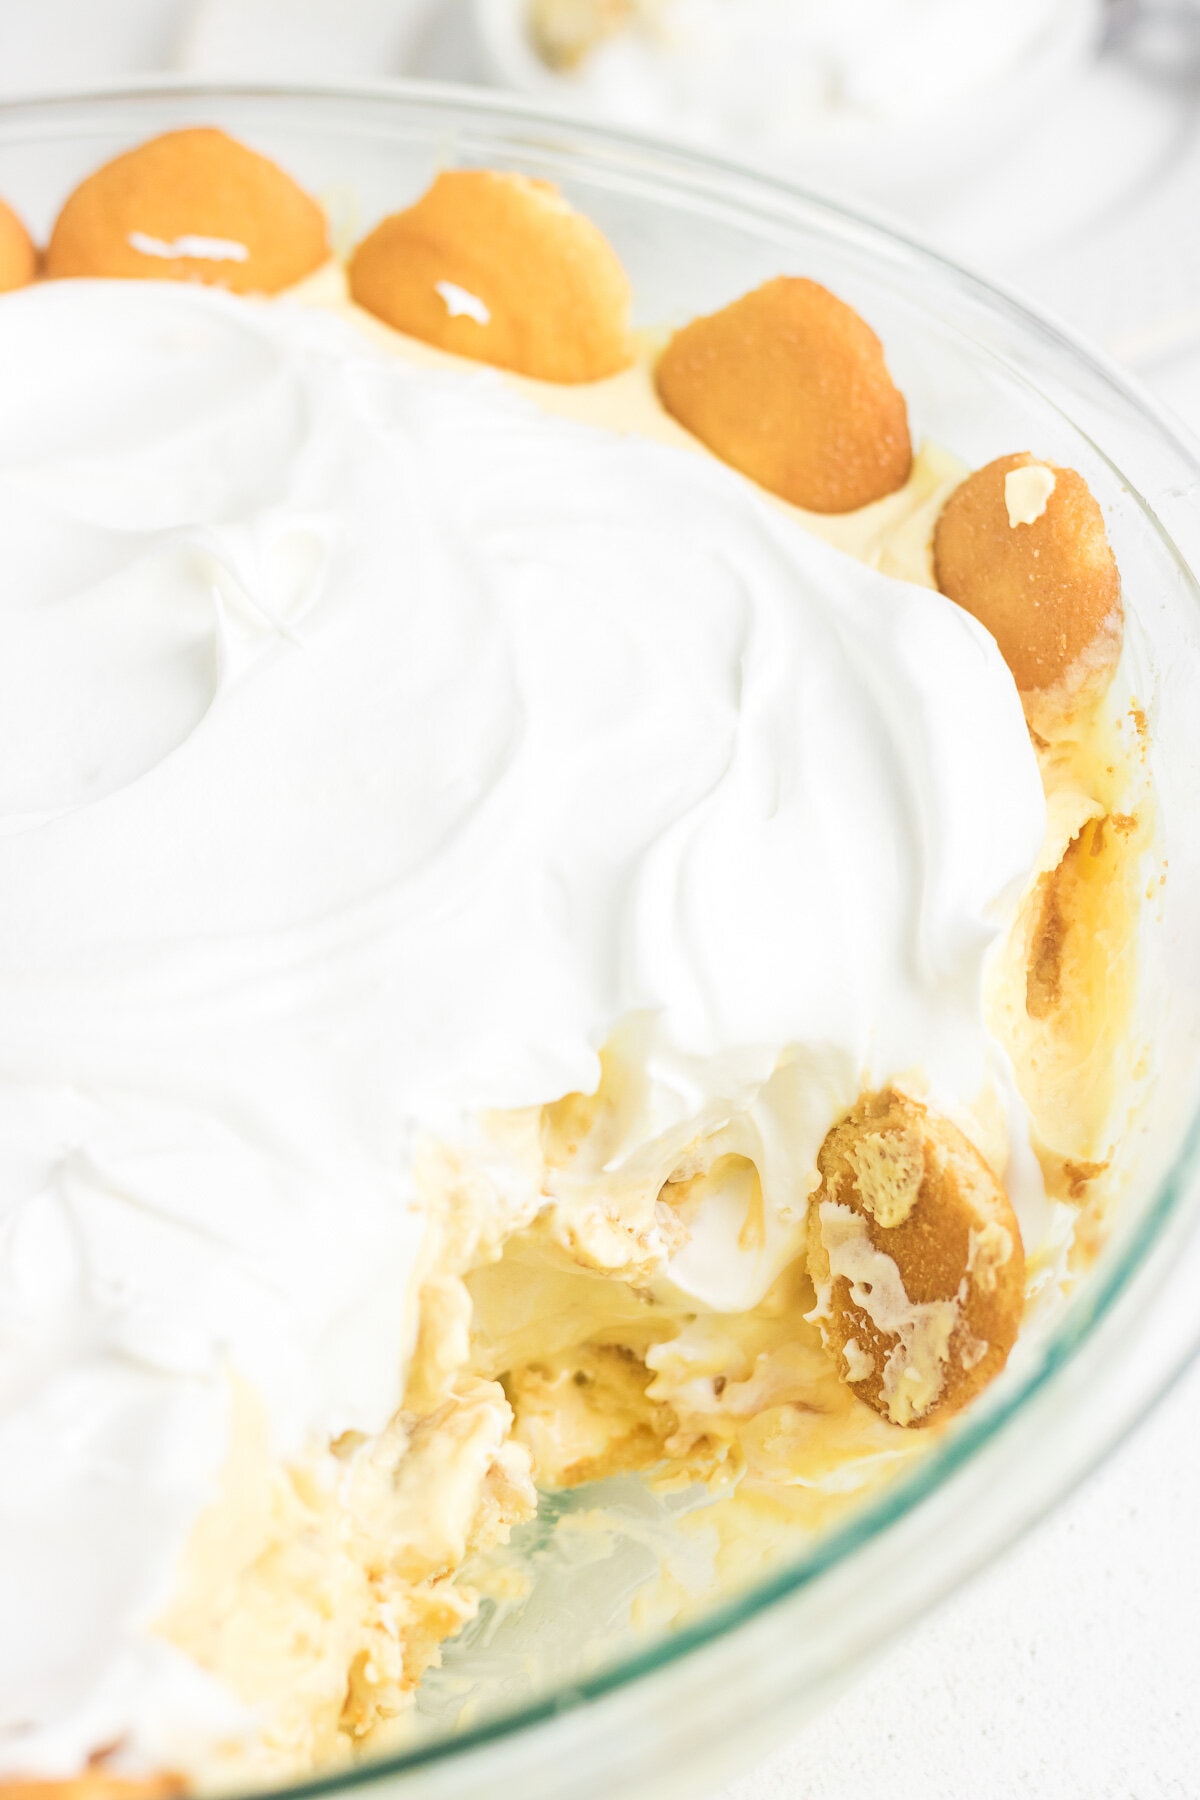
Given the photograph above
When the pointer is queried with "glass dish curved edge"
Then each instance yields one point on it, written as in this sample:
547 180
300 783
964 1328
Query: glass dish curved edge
900 1499
1164 1226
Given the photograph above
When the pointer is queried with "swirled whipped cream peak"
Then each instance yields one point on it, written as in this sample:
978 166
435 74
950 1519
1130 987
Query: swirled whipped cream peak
376 749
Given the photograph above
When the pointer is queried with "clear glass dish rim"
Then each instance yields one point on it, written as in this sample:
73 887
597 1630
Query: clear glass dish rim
723 178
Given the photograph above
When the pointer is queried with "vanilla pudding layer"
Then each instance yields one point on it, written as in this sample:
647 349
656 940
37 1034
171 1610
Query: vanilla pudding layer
456 864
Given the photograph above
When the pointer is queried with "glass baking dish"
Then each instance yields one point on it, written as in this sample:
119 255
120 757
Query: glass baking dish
549 1698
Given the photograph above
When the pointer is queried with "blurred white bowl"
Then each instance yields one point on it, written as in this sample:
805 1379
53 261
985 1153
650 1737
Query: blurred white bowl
880 119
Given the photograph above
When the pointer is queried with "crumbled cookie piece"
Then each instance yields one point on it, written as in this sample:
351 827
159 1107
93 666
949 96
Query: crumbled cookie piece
1022 546
191 205
790 386
917 1260
500 268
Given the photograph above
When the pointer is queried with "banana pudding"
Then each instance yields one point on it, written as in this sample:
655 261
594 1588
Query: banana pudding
556 918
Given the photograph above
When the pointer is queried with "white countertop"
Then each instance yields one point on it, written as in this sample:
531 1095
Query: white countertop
1068 1671
1071 1669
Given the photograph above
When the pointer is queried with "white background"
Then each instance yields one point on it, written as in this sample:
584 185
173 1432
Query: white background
1071 1669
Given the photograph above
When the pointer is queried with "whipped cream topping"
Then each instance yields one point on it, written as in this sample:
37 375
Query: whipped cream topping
762 74
461 304
1027 492
205 249
372 746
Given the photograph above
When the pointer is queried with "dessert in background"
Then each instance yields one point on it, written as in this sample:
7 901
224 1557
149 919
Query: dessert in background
894 99
534 941
881 58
